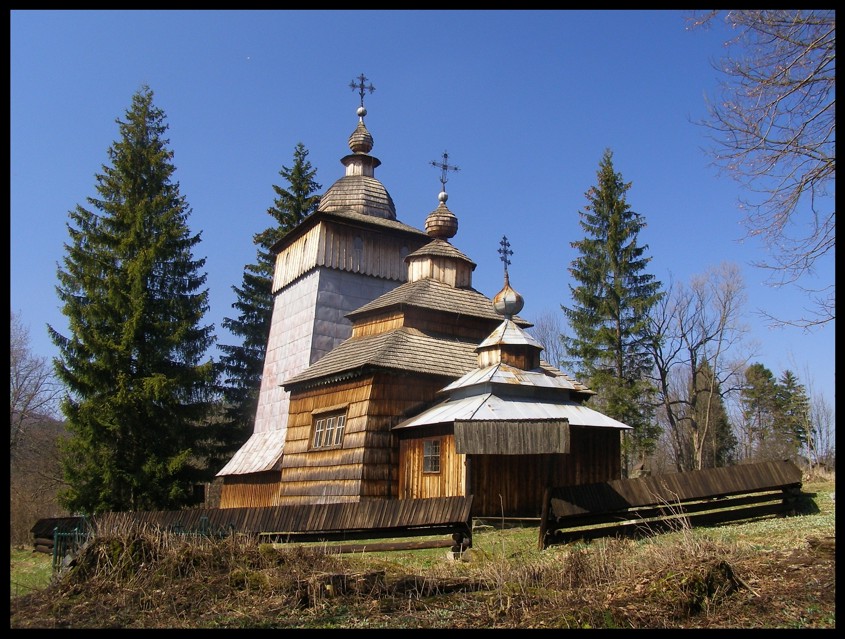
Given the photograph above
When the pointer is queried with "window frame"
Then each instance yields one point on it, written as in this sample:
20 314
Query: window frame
327 429
432 457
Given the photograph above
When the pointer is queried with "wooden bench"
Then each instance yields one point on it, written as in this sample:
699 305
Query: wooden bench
630 507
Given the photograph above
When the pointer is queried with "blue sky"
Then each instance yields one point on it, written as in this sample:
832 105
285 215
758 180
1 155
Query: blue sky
525 103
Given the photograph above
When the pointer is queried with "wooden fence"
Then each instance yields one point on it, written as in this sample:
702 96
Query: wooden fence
365 519
649 504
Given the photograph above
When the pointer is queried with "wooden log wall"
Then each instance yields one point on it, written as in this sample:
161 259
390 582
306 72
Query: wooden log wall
366 464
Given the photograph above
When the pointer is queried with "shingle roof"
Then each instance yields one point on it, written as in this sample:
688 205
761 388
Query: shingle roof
435 295
405 349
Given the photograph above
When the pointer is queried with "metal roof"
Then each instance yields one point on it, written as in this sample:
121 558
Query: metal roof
544 377
489 406
261 452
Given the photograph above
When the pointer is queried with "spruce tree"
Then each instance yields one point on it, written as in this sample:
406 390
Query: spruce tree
759 401
242 365
138 388
612 297
793 425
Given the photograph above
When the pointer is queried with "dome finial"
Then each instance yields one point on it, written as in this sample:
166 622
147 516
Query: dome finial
361 87
507 301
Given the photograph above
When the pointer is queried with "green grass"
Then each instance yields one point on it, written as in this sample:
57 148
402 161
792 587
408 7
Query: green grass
29 571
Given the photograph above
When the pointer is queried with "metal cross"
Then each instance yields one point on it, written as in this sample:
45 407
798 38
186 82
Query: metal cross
361 86
444 168
505 252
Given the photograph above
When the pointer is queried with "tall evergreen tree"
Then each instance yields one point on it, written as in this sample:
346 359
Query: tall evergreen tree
759 401
611 301
138 388
792 423
242 365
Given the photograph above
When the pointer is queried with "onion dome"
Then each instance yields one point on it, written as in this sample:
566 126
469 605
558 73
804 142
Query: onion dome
507 302
359 191
441 223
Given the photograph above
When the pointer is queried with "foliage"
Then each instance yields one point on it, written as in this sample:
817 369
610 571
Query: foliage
242 365
773 124
611 300
138 391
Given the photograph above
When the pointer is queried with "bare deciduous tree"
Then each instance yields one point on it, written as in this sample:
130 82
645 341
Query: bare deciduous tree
692 327
547 330
774 129
32 387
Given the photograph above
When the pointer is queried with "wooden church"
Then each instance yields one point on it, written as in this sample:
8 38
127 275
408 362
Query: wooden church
387 375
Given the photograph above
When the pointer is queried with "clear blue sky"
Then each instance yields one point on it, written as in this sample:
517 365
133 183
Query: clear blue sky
525 103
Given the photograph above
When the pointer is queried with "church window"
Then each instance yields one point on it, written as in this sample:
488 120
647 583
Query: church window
431 456
327 429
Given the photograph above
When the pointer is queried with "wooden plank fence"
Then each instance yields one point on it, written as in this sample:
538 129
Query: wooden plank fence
648 504
365 519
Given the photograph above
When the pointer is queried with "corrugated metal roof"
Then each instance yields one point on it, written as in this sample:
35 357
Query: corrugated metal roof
489 406
261 452
405 349
435 295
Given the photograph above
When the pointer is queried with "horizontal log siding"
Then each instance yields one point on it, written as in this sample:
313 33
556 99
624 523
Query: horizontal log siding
415 484
255 490
520 480
309 476
344 248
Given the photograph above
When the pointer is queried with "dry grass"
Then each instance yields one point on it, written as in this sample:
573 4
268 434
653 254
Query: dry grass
772 573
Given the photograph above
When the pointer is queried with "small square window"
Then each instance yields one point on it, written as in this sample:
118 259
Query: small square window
431 456
328 429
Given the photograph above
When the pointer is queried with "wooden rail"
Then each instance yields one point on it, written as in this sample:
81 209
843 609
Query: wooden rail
365 519
649 504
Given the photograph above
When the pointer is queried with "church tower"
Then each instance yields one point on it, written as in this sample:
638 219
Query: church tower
349 252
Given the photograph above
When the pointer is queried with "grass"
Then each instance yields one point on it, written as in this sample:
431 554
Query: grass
768 573
30 571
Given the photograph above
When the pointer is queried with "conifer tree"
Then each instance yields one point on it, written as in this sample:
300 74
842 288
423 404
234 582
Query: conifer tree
793 425
242 365
759 401
612 297
138 385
